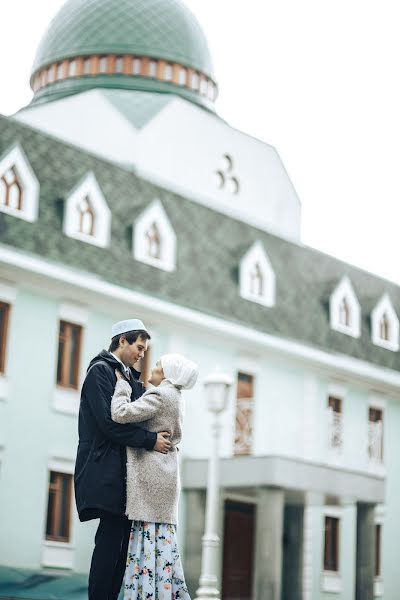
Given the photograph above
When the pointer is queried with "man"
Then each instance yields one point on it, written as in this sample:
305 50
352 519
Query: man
100 471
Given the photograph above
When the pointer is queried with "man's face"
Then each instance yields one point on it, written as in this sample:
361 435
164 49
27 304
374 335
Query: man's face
131 353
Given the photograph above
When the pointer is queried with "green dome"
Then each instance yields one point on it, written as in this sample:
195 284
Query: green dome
159 29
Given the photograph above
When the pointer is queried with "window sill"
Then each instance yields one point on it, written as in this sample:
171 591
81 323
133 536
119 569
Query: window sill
376 468
66 401
378 587
331 582
58 554
3 387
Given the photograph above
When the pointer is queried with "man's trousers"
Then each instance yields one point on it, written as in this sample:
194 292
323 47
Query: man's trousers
109 557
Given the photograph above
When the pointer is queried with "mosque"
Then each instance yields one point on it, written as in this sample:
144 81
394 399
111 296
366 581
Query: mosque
124 193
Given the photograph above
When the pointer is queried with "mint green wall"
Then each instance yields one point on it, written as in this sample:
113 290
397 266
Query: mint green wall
33 432
391 524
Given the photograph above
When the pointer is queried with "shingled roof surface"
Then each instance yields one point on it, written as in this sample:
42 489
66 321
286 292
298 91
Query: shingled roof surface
209 248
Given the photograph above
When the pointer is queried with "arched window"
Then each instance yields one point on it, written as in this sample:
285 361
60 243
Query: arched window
384 328
11 191
153 241
256 281
344 313
86 217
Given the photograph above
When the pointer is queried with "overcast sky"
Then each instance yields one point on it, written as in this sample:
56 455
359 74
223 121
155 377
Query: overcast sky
317 79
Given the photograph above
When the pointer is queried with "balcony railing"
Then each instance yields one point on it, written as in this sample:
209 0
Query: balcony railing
375 441
335 430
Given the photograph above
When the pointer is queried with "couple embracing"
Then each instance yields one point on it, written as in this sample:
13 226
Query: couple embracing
126 470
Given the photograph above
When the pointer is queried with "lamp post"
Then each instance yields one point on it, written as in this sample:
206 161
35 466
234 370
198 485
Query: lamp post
217 386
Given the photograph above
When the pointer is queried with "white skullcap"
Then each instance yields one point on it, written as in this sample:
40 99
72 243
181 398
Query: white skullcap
180 371
128 325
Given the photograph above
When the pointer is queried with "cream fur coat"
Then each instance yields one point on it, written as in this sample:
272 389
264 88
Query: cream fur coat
153 483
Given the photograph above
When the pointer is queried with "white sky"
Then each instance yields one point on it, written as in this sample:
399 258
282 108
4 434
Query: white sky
317 79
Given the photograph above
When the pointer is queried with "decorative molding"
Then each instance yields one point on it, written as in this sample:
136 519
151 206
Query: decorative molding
257 258
331 582
385 307
58 555
125 66
66 401
89 189
73 313
345 292
15 157
8 292
164 254
62 465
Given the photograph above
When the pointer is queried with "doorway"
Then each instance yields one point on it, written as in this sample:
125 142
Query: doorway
239 531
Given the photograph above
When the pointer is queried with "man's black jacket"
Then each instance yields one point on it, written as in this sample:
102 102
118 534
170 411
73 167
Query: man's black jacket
100 470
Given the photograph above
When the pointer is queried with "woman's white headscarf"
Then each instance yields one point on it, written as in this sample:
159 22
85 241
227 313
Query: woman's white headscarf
180 371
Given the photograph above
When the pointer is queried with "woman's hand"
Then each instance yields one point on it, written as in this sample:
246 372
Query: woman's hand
118 374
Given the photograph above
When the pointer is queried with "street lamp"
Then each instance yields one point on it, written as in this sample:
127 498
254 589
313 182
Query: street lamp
217 386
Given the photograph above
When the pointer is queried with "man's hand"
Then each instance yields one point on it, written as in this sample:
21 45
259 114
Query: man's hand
163 445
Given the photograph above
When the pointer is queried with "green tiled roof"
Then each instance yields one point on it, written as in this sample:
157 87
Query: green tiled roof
161 29
209 248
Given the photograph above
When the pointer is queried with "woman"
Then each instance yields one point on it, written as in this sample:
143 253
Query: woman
154 568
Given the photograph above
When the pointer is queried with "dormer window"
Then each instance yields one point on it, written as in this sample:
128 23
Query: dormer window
384 328
344 308
344 313
11 191
257 281
19 188
86 214
385 325
154 240
257 278
86 217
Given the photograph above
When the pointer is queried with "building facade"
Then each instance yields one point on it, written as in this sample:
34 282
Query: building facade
123 193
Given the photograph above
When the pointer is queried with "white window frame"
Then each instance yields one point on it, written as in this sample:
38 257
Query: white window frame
60 554
345 290
88 187
15 157
332 580
257 254
155 213
66 401
385 306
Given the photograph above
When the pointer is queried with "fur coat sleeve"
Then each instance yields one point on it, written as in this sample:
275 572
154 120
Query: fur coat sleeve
125 411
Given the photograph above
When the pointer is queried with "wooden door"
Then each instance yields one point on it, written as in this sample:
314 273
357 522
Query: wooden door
239 531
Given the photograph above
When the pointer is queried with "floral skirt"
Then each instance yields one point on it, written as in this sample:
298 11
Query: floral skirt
153 569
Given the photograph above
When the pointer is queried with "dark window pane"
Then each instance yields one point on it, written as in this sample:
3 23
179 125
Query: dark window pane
58 507
64 507
331 544
4 314
50 513
73 357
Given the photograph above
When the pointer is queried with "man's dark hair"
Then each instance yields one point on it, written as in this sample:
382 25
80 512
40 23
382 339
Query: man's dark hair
130 336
